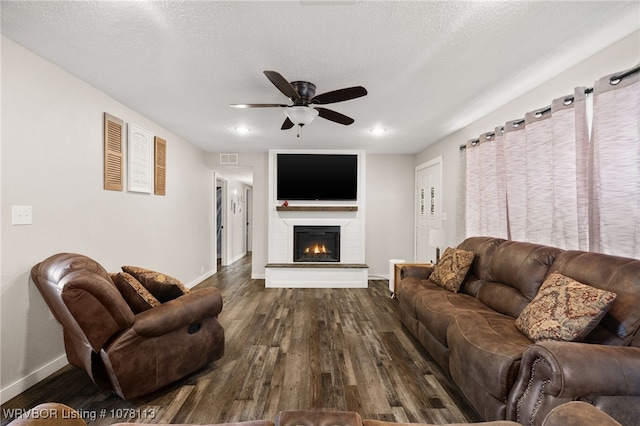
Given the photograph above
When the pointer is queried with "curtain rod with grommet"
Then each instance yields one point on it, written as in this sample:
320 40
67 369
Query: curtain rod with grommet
616 79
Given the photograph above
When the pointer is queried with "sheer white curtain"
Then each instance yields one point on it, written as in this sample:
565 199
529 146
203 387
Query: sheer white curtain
567 175
528 183
570 153
461 209
485 177
615 203
515 142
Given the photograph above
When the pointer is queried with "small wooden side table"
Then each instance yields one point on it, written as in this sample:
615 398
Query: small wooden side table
397 273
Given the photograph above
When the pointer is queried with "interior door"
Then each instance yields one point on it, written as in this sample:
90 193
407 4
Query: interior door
221 222
428 204
248 216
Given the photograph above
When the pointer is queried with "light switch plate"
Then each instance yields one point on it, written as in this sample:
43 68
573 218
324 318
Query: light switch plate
21 215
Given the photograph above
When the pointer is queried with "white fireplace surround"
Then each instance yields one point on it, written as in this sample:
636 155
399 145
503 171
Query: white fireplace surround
281 270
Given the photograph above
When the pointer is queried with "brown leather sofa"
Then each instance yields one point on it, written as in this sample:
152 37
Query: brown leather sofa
505 375
569 414
131 354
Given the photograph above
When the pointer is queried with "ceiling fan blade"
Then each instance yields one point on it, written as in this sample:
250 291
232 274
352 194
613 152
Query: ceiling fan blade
282 84
339 95
287 124
334 116
257 105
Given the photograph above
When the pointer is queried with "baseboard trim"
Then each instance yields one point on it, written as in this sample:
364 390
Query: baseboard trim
19 386
201 278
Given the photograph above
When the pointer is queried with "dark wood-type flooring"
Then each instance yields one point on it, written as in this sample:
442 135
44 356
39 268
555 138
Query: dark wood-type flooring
338 349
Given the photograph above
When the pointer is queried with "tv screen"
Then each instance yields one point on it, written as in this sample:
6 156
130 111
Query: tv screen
317 177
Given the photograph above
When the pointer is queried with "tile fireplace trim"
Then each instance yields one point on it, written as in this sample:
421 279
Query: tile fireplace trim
317 208
318 265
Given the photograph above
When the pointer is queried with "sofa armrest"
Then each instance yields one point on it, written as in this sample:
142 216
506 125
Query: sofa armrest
183 311
582 369
552 373
578 413
418 270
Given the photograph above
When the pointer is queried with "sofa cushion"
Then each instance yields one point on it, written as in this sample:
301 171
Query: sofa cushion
135 294
163 287
452 269
564 309
484 247
485 355
517 271
436 309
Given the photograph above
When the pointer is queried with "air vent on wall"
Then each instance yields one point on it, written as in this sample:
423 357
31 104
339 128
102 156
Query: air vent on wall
229 159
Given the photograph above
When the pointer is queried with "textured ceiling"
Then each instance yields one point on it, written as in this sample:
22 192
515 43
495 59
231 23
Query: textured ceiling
430 67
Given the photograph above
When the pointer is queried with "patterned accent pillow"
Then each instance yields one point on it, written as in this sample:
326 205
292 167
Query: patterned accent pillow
452 269
564 309
162 286
137 297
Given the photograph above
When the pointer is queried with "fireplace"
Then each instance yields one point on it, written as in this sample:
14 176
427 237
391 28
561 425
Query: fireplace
316 244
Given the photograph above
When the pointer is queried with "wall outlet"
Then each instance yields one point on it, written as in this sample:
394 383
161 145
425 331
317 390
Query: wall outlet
21 215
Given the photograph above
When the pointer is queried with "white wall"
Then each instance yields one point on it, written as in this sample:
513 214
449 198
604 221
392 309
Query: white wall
619 56
52 159
389 207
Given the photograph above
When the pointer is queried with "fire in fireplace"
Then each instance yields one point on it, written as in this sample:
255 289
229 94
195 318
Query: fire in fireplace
316 244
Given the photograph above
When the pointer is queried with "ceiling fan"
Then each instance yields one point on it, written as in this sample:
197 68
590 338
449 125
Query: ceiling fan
303 96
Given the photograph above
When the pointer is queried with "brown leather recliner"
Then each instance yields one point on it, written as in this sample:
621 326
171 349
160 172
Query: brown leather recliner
131 354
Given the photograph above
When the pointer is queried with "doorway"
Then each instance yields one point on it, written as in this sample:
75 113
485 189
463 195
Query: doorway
220 214
248 211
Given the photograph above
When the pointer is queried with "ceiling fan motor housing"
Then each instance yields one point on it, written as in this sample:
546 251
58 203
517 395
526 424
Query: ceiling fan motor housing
306 91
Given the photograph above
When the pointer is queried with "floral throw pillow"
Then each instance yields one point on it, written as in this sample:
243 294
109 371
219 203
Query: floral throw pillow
563 309
137 297
162 286
452 269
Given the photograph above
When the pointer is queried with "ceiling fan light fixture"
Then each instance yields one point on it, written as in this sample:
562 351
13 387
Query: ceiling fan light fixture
378 130
301 115
242 130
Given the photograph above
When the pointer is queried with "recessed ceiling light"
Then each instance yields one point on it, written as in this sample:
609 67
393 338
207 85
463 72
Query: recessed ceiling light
378 130
242 130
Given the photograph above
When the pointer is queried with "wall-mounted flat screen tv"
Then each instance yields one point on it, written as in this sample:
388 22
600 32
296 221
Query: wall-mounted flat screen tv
317 177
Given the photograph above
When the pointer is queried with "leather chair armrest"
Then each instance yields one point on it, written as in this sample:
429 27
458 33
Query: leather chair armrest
183 311
578 413
317 418
50 414
418 270
241 423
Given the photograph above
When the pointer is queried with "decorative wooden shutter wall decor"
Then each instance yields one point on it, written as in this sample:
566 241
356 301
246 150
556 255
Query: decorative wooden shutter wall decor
113 152
160 168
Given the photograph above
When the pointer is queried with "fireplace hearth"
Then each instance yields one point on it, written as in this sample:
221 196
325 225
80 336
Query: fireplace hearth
316 244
